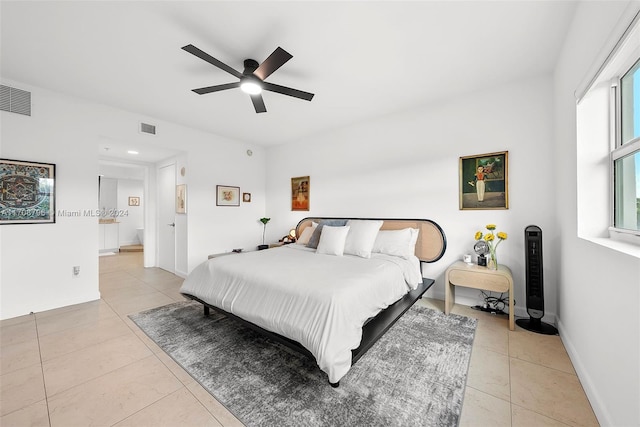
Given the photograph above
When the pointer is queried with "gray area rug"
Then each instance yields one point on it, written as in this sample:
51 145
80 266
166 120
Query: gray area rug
415 375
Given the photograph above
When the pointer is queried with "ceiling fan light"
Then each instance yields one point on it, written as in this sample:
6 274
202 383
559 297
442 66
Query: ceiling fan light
251 87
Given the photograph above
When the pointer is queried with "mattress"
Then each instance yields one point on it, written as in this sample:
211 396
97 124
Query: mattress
320 301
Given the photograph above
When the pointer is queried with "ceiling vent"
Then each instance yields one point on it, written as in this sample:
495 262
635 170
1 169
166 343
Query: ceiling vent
15 100
147 128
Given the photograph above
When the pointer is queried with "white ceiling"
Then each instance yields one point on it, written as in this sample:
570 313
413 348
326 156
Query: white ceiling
362 59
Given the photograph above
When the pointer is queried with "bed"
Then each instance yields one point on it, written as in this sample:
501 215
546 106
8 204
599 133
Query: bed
329 306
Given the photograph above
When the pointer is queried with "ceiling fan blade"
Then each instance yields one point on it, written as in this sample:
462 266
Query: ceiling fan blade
287 91
216 88
272 63
211 60
258 103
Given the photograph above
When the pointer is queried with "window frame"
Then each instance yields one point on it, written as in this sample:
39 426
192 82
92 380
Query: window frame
620 149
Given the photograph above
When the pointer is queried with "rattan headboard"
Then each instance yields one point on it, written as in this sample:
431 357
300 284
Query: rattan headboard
431 243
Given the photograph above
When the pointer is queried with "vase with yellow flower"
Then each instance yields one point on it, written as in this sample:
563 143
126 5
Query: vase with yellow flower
493 240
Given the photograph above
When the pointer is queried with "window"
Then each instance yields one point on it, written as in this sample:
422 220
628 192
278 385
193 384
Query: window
625 156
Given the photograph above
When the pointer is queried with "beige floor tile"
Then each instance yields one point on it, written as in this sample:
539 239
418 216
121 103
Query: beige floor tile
546 350
521 417
140 334
433 304
19 355
175 296
136 289
550 392
91 314
113 397
83 365
180 408
17 333
481 409
125 306
86 306
17 320
214 407
34 415
175 368
489 373
21 388
492 338
87 335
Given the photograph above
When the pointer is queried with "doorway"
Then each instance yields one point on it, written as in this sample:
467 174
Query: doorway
167 218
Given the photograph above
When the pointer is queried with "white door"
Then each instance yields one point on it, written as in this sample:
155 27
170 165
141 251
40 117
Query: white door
167 218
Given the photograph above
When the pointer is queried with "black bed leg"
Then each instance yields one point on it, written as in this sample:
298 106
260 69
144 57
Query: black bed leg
206 310
335 385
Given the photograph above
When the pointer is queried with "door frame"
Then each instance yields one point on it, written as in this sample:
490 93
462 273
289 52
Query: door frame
169 162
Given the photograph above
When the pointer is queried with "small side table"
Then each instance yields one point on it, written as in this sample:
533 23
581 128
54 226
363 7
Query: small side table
477 277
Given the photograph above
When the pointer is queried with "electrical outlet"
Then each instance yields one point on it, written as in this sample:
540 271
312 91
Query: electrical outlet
76 270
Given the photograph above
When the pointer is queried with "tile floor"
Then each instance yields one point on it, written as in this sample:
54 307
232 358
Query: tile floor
88 364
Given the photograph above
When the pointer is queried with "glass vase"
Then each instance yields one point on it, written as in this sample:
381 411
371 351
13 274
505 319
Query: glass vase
492 263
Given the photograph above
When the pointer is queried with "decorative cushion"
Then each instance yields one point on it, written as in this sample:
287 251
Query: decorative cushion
362 235
401 243
315 237
305 236
332 240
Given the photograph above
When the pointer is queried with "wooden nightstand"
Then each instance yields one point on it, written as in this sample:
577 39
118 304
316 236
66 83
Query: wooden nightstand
476 277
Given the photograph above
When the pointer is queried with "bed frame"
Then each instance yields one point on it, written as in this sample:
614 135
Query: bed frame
430 247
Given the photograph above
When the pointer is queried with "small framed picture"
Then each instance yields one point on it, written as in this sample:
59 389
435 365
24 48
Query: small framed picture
484 180
134 201
28 192
181 198
227 195
246 197
300 189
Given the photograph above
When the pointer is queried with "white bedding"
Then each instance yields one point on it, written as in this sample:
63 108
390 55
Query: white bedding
320 301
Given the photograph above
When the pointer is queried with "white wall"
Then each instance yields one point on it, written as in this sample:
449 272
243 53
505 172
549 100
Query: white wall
67 131
406 166
37 260
134 217
599 291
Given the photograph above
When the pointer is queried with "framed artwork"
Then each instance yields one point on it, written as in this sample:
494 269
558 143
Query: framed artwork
484 181
181 198
27 192
300 188
246 197
227 196
134 201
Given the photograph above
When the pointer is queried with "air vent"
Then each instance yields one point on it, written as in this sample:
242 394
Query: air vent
15 100
147 128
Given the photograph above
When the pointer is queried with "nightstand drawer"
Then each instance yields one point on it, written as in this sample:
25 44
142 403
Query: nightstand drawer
475 279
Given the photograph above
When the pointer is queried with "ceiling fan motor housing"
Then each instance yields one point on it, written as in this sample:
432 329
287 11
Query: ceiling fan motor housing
250 65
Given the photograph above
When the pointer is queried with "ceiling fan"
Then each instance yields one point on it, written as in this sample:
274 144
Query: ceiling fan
252 79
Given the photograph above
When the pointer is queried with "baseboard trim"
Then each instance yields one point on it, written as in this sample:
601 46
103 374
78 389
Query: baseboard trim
599 408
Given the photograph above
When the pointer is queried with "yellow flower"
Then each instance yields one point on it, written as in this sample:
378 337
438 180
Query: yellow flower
491 226
502 235
478 235
489 237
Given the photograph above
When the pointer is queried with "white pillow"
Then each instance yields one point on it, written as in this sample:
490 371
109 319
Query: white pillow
401 243
361 237
305 236
332 240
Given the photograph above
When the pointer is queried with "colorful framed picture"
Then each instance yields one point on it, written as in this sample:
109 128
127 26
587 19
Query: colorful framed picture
134 201
181 198
246 197
27 192
484 181
227 196
300 188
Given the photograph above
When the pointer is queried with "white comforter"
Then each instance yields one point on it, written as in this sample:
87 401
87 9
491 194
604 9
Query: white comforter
320 301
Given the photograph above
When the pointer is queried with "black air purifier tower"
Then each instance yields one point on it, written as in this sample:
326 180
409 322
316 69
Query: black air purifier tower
535 282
